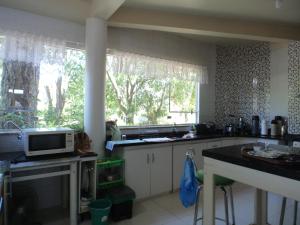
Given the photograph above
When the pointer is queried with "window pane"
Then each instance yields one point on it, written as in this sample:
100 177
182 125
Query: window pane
61 94
139 100
44 95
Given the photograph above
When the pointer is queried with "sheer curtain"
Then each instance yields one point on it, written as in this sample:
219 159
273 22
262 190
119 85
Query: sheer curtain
21 55
135 64
29 48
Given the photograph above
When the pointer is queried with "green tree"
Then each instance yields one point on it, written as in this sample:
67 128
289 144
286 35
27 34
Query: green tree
75 70
127 92
155 99
69 106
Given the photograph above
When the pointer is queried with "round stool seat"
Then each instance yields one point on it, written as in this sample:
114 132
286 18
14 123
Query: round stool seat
219 181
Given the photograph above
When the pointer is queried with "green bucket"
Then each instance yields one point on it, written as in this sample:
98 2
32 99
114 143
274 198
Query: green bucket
100 210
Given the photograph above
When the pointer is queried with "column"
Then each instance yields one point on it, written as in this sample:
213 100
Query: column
94 108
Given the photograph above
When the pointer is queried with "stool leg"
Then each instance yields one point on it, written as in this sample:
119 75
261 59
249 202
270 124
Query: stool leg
282 211
226 205
196 206
295 212
232 205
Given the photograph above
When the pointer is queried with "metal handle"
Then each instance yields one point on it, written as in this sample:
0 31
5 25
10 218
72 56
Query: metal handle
153 159
148 159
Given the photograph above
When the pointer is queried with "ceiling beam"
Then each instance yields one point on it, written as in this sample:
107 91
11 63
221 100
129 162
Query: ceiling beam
204 25
105 8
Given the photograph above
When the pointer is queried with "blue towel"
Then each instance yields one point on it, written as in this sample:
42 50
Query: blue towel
111 144
189 184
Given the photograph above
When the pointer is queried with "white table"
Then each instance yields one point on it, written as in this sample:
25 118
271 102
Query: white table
33 168
262 180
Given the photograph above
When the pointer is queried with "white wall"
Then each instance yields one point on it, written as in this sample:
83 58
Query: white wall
11 19
279 80
173 47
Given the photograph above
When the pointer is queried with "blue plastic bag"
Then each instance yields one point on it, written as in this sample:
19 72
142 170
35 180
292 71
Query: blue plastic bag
188 184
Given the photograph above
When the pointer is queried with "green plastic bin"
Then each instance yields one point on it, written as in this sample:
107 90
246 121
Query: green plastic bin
100 210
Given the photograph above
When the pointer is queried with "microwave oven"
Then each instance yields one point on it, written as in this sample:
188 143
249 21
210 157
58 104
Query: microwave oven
46 141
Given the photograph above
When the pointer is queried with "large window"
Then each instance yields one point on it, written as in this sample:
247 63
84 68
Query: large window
39 91
149 91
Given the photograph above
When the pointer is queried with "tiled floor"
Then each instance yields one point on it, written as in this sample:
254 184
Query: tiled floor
167 209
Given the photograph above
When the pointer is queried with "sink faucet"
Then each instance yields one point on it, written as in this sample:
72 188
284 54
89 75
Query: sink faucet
16 126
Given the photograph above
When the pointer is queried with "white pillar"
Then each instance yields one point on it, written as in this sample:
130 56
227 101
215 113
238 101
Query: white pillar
94 106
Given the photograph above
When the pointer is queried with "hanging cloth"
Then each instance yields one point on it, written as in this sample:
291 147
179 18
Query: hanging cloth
189 184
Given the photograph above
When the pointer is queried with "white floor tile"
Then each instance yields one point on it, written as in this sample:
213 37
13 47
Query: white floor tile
168 210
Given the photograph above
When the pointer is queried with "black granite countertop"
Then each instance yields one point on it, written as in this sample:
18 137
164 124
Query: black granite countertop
132 142
19 156
232 154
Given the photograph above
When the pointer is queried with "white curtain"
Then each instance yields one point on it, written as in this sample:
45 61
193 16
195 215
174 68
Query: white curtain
140 65
29 48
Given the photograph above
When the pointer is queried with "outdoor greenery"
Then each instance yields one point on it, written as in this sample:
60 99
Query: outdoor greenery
132 100
68 108
64 102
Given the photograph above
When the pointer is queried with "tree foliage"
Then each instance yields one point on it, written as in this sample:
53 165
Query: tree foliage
141 101
135 100
68 108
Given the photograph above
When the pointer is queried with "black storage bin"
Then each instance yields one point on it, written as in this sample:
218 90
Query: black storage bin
122 202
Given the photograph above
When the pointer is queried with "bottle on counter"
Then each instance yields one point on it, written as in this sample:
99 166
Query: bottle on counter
275 130
263 128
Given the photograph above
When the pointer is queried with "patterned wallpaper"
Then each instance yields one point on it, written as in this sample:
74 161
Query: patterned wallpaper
242 82
294 86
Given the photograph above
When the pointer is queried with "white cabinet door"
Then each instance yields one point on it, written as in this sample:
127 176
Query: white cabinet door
161 170
137 171
178 162
198 158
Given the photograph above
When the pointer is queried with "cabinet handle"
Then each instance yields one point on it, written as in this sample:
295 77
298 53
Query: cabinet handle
153 159
148 159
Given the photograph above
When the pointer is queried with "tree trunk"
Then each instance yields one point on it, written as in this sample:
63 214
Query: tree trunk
19 88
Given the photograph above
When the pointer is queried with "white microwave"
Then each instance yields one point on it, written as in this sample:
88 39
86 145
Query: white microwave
46 141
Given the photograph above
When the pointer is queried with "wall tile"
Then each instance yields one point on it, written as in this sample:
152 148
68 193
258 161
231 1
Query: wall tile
242 82
294 87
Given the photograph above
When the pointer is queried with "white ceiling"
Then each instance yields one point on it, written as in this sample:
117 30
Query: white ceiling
241 9
78 10
72 10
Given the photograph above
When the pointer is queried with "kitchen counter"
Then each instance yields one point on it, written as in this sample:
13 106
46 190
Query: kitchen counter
111 145
264 176
232 154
